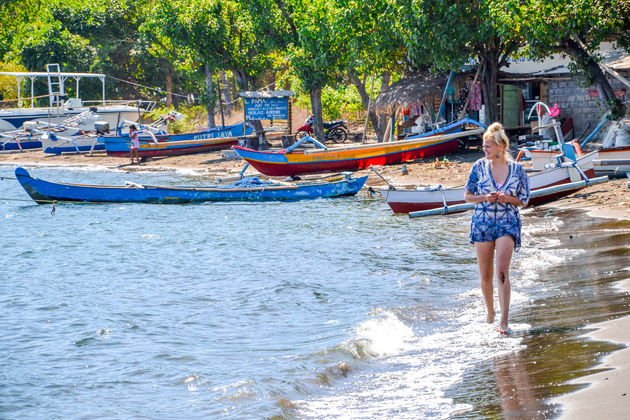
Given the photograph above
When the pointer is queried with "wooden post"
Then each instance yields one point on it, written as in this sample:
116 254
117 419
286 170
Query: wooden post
463 111
221 103
290 119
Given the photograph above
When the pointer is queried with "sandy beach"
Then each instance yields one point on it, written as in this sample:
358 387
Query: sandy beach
608 394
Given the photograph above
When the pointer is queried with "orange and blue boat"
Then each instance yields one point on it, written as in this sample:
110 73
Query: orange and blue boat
290 162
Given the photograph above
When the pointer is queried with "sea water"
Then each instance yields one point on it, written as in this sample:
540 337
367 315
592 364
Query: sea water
320 309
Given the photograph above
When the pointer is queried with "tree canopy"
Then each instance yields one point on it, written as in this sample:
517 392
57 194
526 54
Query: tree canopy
183 46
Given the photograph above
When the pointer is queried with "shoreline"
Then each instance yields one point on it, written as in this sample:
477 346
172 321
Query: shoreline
610 200
609 387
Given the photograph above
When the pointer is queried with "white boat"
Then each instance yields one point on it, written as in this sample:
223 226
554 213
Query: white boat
59 110
613 161
427 198
41 134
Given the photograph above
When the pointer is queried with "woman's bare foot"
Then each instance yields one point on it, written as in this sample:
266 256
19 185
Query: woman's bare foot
502 329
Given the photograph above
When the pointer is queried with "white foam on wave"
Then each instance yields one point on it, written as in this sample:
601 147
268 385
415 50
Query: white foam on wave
415 370
384 334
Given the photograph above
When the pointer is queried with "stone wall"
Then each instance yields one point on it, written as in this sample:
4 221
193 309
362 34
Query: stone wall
574 101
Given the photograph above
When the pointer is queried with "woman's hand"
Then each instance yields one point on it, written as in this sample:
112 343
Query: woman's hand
492 197
504 198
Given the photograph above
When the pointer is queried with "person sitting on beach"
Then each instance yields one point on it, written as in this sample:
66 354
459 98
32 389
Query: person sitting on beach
498 186
135 143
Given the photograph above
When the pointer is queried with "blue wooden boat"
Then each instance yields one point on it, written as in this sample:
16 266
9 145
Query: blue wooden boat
162 144
247 189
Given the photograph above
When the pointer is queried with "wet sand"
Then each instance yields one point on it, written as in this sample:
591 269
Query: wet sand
608 396
607 393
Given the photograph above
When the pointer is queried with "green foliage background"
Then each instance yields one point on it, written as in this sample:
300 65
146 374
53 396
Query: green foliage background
334 46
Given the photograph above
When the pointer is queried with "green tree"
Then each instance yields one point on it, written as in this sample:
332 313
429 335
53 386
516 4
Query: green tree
371 48
443 35
112 29
217 35
577 28
317 56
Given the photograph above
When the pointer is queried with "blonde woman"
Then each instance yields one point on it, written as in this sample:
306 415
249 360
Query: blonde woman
497 186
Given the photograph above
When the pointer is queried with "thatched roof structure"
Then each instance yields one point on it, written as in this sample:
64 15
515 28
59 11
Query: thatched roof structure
425 87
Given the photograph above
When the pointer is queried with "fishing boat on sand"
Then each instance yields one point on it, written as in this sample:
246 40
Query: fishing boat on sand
52 138
290 161
163 144
65 138
553 183
613 158
246 189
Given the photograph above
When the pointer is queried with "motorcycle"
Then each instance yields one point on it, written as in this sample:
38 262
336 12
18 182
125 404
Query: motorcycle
334 130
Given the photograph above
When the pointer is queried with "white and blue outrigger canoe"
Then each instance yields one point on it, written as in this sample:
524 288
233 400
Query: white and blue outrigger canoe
246 189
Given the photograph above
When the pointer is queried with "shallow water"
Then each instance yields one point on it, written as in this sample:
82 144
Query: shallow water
314 309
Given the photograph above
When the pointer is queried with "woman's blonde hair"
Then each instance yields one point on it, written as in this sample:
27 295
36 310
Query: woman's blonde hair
496 134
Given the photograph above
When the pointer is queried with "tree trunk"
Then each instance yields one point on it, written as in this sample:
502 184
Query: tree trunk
489 89
378 122
597 77
365 99
242 81
318 121
169 84
226 94
382 118
210 95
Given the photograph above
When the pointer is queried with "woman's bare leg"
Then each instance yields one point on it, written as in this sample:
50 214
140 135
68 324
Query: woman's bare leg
505 247
485 260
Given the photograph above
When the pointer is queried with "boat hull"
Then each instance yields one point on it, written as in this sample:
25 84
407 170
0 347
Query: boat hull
334 161
12 145
78 144
176 144
352 158
47 192
408 201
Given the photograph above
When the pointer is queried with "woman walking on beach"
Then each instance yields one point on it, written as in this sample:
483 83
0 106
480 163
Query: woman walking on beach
497 186
135 143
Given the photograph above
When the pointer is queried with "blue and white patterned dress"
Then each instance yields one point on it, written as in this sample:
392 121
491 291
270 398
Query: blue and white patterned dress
493 220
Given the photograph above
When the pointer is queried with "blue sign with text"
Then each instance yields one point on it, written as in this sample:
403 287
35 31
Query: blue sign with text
266 109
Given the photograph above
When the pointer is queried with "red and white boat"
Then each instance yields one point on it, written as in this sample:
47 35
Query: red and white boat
427 198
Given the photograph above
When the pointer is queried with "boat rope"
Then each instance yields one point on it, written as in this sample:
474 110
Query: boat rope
156 89
7 177
160 90
56 201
